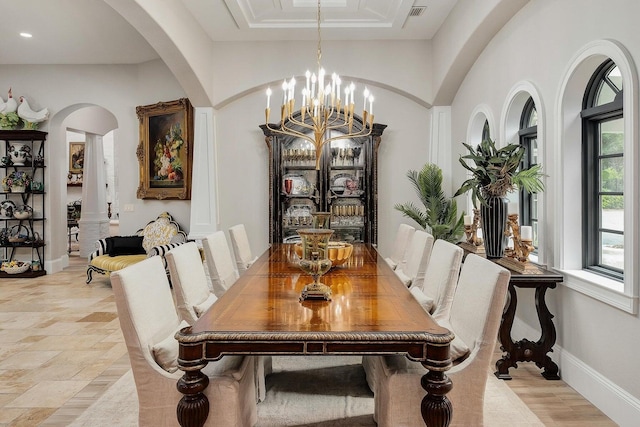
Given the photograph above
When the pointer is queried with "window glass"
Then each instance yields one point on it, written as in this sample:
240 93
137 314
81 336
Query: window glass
603 164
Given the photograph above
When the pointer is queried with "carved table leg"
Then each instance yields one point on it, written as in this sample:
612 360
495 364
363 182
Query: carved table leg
193 408
504 335
526 350
547 339
436 407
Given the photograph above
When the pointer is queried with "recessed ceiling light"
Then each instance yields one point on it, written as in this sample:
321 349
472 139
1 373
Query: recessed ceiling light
26 35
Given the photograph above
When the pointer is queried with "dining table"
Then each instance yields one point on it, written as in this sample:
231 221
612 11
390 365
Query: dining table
371 312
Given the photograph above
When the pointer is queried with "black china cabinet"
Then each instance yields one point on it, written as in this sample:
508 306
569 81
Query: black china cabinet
345 185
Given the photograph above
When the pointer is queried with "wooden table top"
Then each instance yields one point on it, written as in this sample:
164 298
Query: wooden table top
368 302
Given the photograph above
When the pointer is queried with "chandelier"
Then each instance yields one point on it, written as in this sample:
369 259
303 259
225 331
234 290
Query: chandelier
322 109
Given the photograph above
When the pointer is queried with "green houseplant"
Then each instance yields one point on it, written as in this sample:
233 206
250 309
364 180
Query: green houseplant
440 215
494 173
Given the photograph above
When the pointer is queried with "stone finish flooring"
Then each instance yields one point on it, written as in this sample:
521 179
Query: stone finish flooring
61 348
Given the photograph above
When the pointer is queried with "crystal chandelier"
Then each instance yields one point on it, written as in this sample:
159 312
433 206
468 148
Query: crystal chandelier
322 109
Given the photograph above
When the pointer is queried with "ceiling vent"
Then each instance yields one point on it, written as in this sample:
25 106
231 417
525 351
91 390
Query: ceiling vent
417 10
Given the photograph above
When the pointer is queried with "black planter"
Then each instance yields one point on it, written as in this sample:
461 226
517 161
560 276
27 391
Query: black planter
494 223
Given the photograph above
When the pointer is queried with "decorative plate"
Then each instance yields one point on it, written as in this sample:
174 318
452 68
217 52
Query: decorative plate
300 185
346 181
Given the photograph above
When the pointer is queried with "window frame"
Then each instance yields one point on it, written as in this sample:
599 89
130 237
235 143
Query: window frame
592 118
526 135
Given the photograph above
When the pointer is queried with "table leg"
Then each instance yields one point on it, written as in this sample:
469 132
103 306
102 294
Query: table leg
525 350
193 408
504 335
547 339
436 407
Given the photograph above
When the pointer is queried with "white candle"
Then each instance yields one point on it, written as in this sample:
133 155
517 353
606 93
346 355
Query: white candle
468 220
479 233
268 96
284 92
371 105
526 232
365 95
512 208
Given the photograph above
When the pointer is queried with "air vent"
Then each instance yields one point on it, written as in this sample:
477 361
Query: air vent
417 10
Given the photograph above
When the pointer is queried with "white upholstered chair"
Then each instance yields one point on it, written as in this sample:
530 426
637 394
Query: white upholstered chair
189 280
417 255
440 279
241 248
149 321
217 256
437 291
193 298
475 318
400 244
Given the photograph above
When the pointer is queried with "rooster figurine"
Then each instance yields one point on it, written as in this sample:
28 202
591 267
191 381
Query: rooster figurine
31 118
11 105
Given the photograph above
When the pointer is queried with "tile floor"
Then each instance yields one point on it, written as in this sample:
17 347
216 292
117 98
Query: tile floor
60 346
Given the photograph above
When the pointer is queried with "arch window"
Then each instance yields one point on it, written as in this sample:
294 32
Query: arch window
528 135
603 172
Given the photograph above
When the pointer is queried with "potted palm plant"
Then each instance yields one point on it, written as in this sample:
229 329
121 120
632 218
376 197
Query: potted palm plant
440 216
494 173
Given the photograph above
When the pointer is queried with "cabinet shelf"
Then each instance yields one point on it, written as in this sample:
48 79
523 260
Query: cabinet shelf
26 274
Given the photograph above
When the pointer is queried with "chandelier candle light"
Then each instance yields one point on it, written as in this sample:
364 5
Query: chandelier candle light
322 109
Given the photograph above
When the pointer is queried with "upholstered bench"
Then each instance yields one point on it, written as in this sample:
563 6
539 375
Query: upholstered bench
118 252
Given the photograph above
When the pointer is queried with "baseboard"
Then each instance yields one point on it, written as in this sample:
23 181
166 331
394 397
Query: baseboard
615 402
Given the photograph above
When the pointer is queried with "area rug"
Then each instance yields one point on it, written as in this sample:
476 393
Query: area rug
309 392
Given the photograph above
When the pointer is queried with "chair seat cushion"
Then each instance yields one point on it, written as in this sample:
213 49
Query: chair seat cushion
108 263
458 349
165 352
204 305
425 301
403 277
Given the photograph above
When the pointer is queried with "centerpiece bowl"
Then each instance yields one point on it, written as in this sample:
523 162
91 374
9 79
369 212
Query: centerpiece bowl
338 252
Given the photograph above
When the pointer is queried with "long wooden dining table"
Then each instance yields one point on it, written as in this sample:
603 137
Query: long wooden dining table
371 313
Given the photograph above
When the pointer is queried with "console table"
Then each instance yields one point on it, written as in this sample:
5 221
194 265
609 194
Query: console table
525 350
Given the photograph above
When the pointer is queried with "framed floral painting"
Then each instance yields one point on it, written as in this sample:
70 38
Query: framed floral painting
76 157
165 152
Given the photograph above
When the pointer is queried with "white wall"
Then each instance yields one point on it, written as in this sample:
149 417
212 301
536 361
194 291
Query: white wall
118 89
536 46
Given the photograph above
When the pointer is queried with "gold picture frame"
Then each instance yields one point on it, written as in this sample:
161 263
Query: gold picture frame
76 157
165 152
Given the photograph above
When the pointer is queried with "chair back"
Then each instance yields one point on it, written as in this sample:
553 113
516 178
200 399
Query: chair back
217 256
241 247
417 255
441 276
189 280
147 316
400 245
479 302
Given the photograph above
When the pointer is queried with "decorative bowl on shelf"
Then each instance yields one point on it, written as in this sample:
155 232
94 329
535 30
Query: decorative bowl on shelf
15 267
339 252
23 212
